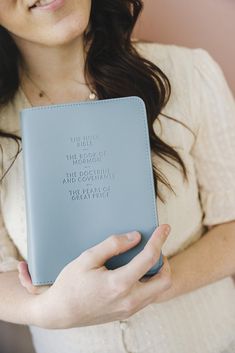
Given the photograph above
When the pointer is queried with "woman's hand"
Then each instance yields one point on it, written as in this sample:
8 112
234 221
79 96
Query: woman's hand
26 281
87 293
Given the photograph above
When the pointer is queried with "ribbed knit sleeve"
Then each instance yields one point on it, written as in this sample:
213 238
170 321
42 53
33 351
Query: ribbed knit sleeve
214 148
8 251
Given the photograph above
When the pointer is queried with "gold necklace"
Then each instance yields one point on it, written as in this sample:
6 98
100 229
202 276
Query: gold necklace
92 95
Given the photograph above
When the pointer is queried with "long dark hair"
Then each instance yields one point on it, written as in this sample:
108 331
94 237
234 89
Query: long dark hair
114 67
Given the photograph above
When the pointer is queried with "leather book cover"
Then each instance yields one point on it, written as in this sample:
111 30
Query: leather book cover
87 174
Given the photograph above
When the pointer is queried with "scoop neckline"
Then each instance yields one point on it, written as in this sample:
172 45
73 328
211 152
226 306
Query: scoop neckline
25 98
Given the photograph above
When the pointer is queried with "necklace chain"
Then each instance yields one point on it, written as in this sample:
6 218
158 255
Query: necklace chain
42 93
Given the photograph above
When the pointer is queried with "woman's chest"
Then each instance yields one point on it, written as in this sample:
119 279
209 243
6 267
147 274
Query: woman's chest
181 209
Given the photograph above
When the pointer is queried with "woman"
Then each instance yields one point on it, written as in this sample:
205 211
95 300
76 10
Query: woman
62 51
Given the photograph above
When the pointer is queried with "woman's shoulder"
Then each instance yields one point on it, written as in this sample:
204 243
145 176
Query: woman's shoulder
160 51
175 58
9 113
194 74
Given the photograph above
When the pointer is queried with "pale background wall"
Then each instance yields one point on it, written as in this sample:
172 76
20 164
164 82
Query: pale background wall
209 24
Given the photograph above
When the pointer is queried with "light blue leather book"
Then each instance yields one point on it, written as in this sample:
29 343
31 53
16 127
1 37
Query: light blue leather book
87 174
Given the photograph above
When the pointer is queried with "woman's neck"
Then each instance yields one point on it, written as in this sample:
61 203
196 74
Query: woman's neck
53 65
58 71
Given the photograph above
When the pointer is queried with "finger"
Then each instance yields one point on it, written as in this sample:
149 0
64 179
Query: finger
23 273
145 259
155 285
25 279
165 269
113 245
146 293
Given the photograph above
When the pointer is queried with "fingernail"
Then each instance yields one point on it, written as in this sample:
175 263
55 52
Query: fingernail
132 235
167 230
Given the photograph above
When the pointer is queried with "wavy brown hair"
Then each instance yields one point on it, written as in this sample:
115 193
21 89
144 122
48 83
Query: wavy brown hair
113 66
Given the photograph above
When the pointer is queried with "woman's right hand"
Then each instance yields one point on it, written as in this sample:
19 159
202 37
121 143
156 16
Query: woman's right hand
87 293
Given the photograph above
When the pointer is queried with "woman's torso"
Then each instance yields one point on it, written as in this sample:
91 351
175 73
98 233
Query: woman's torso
187 323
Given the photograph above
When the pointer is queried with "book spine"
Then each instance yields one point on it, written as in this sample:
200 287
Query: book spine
31 254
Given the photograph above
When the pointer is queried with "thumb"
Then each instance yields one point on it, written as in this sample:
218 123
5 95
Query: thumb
97 255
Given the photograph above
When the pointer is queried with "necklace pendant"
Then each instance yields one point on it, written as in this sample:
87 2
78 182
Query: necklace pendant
92 96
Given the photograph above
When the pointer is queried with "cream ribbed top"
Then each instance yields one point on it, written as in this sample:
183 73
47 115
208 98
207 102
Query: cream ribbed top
202 321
